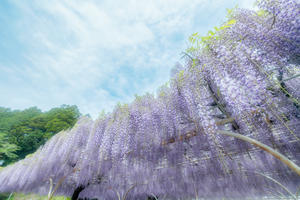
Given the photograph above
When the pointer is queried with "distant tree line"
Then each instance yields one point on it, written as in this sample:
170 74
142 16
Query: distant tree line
22 132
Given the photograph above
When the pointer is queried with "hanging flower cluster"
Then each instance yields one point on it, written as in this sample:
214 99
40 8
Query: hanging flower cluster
243 77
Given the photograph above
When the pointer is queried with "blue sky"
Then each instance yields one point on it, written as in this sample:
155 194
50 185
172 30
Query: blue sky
95 54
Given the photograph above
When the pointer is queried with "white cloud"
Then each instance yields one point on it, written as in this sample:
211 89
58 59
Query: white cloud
95 53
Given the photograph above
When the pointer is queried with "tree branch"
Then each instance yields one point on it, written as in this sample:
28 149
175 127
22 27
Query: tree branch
266 148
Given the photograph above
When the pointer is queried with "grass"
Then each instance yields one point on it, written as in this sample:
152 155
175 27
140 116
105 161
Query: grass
19 196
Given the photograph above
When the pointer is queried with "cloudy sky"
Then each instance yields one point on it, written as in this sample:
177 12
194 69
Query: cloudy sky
95 54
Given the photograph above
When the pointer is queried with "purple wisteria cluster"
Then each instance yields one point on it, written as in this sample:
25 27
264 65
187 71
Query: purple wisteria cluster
245 80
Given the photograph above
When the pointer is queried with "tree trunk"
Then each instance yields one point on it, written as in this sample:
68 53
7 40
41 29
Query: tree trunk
77 192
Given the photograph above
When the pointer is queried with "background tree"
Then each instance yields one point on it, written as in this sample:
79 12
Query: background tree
25 131
7 150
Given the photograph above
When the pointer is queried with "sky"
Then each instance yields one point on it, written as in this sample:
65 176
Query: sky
95 54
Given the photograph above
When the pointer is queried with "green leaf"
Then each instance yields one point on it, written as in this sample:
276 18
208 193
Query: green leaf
195 34
229 11
262 13
231 22
211 33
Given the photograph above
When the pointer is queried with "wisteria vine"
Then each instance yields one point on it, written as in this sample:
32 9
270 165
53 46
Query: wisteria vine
243 78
